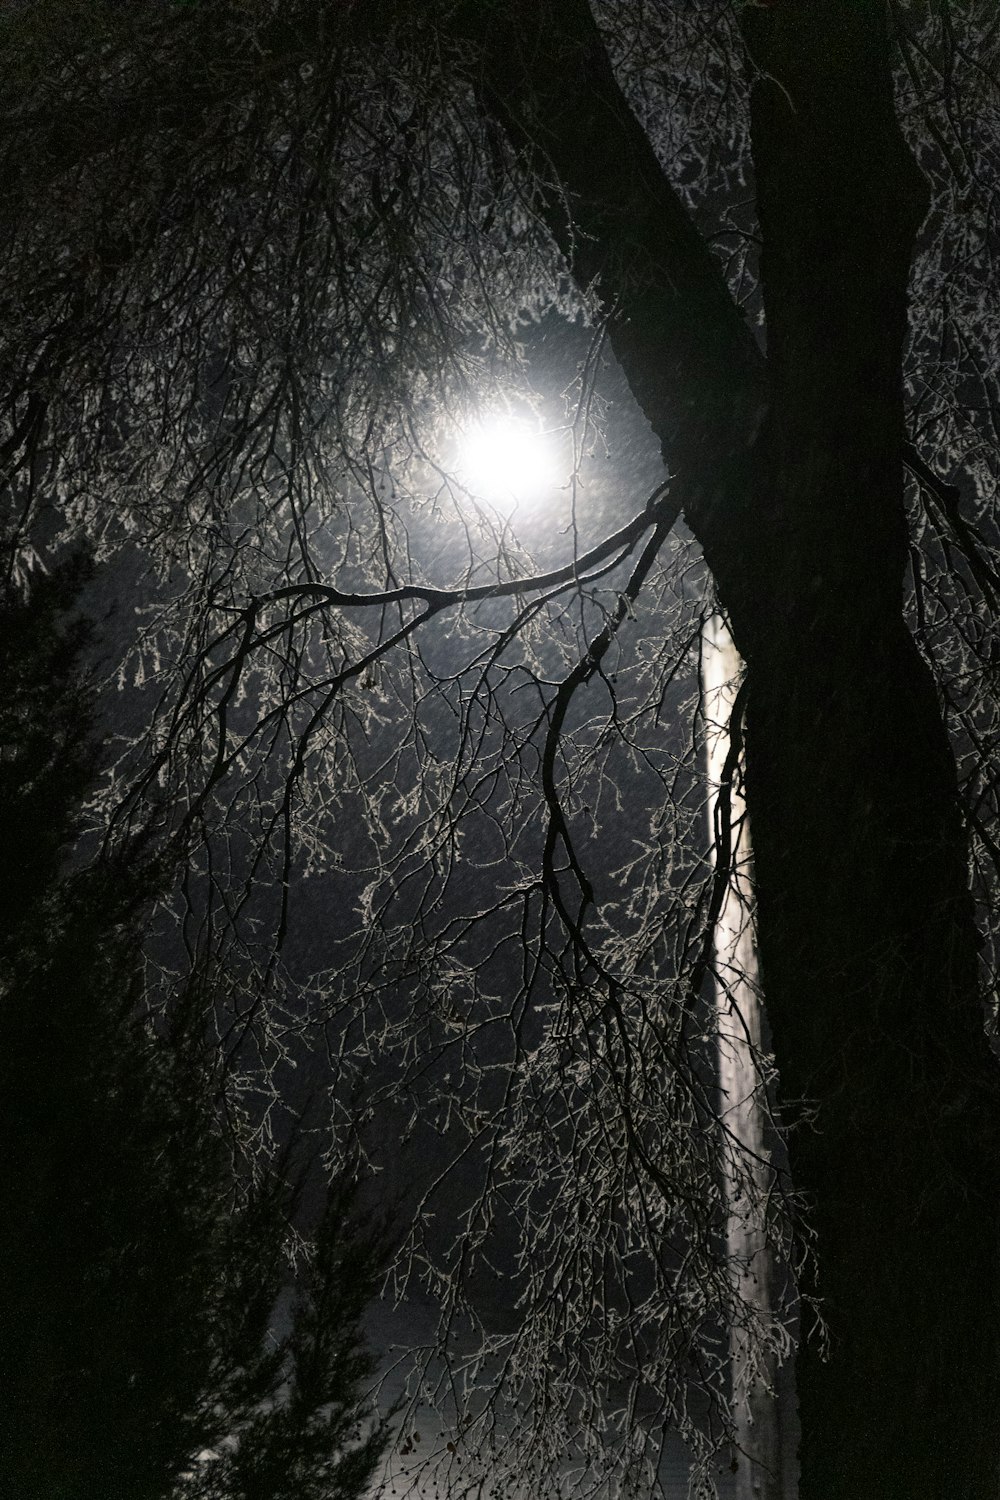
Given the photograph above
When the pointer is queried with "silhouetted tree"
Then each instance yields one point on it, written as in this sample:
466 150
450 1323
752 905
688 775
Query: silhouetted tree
263 262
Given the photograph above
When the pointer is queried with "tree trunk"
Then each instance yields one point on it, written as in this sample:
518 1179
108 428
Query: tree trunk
866 933
867 939
758 1459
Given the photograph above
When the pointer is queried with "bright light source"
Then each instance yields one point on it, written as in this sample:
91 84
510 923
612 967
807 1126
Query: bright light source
503 460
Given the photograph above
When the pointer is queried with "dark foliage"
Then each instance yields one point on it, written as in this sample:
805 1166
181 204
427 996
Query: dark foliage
146 1276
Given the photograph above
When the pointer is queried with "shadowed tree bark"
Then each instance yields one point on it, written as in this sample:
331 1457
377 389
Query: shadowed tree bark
868 948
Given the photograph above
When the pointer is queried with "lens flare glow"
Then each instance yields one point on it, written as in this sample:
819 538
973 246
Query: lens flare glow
505 460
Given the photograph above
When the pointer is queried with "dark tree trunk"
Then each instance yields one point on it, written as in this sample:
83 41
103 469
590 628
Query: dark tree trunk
867 940
867 937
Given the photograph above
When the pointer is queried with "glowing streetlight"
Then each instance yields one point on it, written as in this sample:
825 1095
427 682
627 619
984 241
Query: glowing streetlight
506 460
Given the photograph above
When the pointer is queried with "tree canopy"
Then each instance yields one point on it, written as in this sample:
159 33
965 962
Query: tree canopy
264 266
